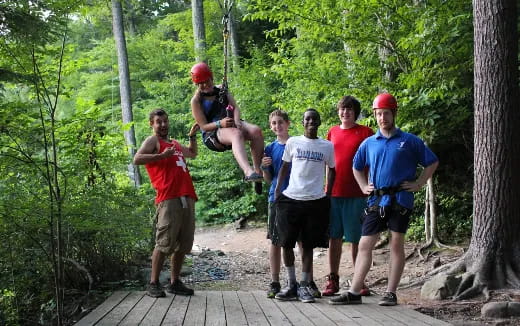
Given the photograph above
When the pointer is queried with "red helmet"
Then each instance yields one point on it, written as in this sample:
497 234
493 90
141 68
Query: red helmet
385 101
200 73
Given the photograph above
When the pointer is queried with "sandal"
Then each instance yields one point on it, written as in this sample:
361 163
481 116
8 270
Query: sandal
254 177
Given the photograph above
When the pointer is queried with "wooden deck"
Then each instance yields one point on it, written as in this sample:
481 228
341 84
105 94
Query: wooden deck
236 308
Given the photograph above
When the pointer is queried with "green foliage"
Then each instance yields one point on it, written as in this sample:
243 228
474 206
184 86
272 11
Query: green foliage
454 216
223 196
8 313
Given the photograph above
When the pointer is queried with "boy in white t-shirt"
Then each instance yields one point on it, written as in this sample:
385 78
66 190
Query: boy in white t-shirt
302 209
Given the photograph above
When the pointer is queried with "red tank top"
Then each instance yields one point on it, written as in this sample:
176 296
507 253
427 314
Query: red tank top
170 176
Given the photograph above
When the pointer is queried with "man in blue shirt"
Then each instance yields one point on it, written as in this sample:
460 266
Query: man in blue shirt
391 157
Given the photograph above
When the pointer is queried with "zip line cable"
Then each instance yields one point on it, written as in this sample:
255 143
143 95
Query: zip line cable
226 7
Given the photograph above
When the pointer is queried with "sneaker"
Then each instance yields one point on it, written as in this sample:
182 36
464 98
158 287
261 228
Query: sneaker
305 293
314 290
365 291
388 299
346 298
254 177
288 293
273 290
258 188
178 287
332 285
154 290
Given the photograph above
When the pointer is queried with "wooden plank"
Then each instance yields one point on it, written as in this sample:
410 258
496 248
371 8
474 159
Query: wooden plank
196 313
273 314
177 311
404 314
398 313
140 310
314 315
94 316
333 314
360 317
254 315
215 313
428 320
158 310
292 313
123 308
368 310
234 314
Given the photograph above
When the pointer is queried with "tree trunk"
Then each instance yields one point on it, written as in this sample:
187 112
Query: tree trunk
199 34
427 223
124 87
493 256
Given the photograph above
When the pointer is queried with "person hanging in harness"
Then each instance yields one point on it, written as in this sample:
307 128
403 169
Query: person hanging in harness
392 157
218 116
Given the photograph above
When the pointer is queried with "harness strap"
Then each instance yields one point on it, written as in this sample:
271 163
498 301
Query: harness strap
218 107
391 191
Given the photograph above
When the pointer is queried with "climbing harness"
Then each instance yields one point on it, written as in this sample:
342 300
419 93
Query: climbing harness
383 210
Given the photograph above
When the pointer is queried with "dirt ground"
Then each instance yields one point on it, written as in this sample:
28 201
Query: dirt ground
237 259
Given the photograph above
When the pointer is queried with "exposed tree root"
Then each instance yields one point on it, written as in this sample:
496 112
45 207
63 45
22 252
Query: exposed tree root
84 270
378 281
383 241
483 274
411 254
438 244
426 277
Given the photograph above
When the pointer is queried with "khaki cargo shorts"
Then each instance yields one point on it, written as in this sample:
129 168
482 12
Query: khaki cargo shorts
175 220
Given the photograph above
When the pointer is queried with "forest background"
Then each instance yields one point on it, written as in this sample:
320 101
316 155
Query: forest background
65 185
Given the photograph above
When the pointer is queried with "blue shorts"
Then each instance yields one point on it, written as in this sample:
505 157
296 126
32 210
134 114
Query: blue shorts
345 218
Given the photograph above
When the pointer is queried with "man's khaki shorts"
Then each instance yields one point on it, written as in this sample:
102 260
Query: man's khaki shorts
175 225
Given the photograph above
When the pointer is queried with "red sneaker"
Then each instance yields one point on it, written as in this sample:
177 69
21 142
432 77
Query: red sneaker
365 291
332 285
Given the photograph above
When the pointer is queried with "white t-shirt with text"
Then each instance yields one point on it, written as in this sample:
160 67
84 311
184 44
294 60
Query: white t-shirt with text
309 158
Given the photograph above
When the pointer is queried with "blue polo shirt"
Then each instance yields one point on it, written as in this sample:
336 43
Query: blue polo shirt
275 151
390 161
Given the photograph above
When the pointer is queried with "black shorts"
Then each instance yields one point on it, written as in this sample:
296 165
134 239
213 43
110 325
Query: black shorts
272 232
303 220
375 220
210 139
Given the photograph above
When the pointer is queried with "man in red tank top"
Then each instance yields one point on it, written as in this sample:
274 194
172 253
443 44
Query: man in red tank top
175 198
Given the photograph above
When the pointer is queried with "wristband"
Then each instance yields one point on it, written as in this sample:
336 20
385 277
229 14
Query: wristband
217 123
264 168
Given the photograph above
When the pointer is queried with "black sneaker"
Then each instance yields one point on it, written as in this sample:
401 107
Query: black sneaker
388 299
346 298
258 188
314 290
178 287
288 293
154 290
304 293
274 288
